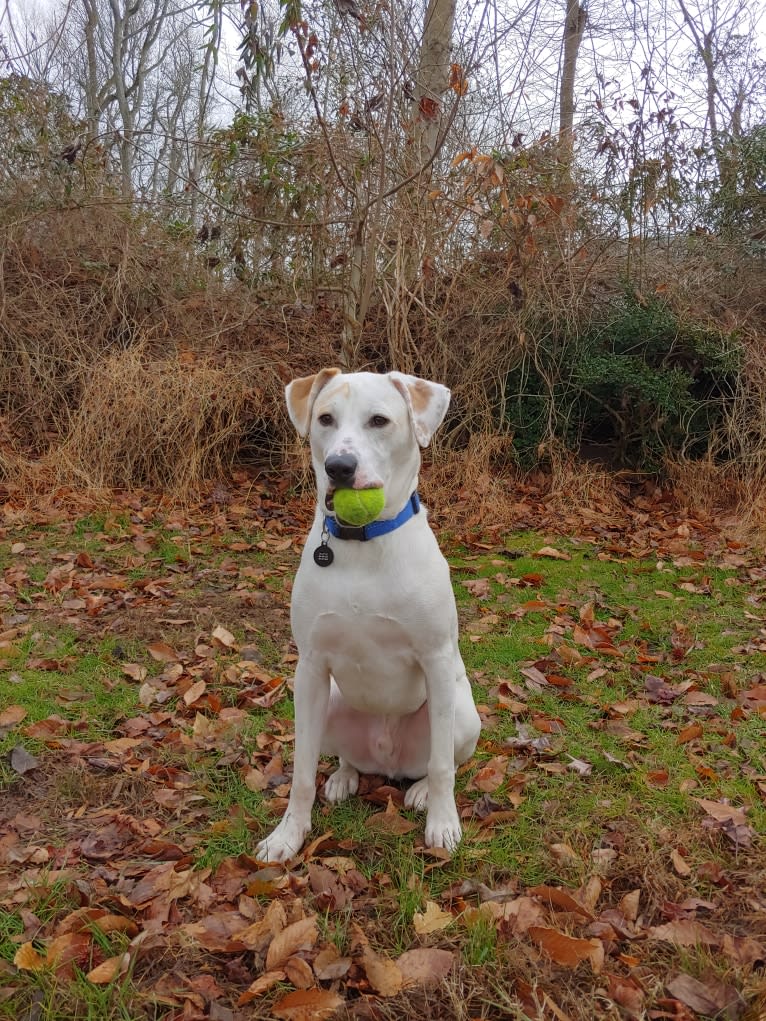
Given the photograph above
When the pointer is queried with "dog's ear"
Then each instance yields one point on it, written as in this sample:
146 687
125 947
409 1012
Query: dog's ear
301 394
426 402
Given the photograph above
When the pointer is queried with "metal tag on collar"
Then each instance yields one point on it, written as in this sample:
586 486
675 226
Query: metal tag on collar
323 555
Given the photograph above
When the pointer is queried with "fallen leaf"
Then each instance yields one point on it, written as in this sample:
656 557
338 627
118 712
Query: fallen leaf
224 637
109 970
490 776
711 998
679 863
307 1005
684 932
262 984
11 716
629 905
391 821
568 951
425 966
28 959
195 692
301 935
560 898
563 852
147 693
135 671
299 973
432 919
690 733
552 553
23 761
329 965
162 652
722 812
383 974
626 993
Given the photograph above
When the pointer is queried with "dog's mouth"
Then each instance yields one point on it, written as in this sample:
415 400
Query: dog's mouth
329 501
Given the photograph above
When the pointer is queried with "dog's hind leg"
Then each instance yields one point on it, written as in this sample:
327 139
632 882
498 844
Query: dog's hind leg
342 783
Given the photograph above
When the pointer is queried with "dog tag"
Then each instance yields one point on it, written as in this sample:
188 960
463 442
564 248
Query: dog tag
323 555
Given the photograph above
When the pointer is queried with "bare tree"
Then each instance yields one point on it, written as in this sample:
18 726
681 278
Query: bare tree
574 28
723 36
132 71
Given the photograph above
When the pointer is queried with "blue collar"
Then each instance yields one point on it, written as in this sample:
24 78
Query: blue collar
362 533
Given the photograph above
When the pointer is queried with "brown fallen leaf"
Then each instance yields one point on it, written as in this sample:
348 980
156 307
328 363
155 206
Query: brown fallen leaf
684 932
629 905
425 966
307 1005
300 935
391 821
626 993
744 950
27 958
64 951
162 652
564 852
557 896
195 692
383 974
679 863
261 985
516 916
329 965
23 761
689 733
135 671
552 553
299 973
722 812
433 919
490 776
109 970
222 636
711 998
568 951
11 716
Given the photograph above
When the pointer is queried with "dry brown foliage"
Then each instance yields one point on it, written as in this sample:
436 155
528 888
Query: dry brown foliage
126 361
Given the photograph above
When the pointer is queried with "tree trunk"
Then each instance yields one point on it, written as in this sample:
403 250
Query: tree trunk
433 77
574 28
91 99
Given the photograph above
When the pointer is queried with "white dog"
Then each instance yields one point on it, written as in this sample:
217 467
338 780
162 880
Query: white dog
379 682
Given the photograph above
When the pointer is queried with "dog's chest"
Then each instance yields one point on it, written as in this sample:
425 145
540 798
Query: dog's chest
373 660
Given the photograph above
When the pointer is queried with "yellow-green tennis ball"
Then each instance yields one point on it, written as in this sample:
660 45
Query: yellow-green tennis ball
358 506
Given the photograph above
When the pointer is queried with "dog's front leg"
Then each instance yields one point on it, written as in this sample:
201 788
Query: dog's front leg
311 696
442 821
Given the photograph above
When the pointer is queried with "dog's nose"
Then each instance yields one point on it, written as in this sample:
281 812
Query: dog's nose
341 468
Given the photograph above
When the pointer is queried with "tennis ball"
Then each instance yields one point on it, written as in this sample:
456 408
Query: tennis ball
358 506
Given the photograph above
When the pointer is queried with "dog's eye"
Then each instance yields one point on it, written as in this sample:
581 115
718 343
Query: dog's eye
325 419
378 421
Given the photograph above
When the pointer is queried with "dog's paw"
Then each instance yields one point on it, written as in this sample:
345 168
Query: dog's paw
342 783
417 797
443 828
283 843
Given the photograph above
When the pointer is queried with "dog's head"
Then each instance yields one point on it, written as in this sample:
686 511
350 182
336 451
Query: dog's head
366 429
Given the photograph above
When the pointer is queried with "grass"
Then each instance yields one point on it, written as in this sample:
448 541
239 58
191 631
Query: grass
594 788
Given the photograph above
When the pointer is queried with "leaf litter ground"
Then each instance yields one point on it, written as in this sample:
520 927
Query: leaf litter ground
613 863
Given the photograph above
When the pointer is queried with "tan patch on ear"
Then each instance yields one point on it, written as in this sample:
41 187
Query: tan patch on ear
302 393
301 389
420 395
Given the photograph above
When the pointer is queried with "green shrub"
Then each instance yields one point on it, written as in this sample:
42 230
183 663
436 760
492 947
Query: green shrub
636 380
